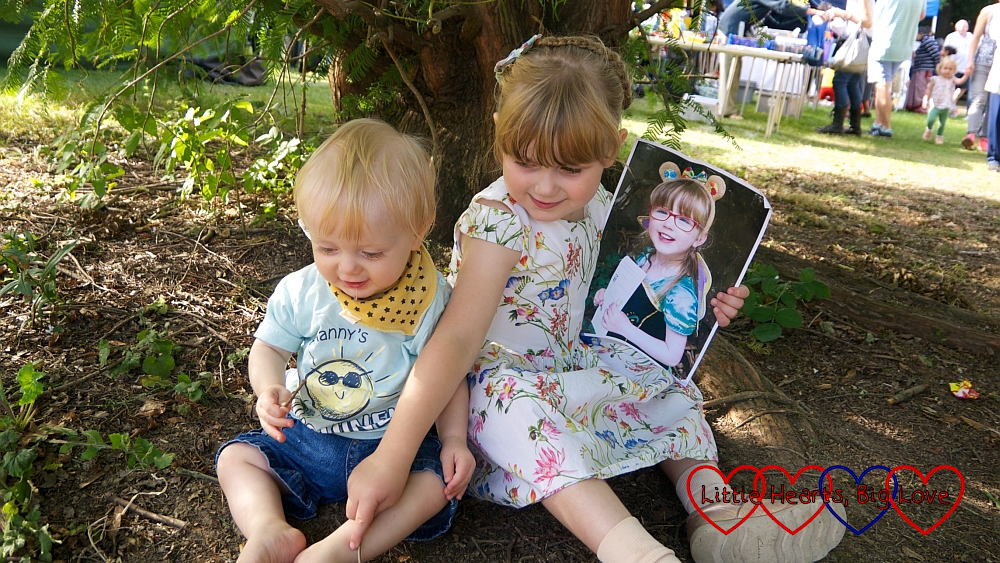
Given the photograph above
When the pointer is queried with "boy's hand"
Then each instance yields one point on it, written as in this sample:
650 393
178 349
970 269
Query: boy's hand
373 486
727 305
271 411
457 463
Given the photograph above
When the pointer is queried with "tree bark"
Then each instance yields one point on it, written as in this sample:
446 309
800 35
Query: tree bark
750 408
455 76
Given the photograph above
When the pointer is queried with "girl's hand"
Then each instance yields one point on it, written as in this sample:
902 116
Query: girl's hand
272 411
615 320
599 297
457 463
727 305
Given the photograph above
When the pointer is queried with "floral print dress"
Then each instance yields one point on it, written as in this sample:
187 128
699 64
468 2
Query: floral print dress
548 410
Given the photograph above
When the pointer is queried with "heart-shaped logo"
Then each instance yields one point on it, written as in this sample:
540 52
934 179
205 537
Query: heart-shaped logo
857 481
954 505
725 479
764 495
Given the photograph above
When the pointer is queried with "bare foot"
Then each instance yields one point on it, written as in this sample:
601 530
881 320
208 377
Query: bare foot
280 545
333 549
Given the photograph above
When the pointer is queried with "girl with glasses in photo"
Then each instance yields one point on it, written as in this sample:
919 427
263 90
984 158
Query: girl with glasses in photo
659 318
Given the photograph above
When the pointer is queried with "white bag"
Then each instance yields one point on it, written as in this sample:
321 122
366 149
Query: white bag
852 55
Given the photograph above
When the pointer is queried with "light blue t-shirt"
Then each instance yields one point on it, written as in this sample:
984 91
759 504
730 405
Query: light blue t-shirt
894 30
354 374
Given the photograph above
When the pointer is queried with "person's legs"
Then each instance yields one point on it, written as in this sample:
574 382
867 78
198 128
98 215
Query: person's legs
978 102
423 497
592 512
840 101
992 146
854 102
881 74
254 496
942 117
883 105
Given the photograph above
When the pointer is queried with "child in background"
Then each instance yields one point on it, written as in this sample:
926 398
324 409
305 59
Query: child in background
549 421
939 99
681 213
357 317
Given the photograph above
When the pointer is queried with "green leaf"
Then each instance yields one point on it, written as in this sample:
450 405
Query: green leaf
807 275
788 300
89 453
819 288
763 314
769 286
132 142
162 461
788 318
104 350
159 365
767 332
927 361
94 437
30 382
118 441
870 338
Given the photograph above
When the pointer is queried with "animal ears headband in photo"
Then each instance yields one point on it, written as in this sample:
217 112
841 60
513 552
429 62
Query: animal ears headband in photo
715 185
509 60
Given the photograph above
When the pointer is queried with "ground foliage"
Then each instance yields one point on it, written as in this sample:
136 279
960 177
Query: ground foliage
148 261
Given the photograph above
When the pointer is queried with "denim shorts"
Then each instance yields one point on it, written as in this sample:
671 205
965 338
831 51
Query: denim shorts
315 467
882 71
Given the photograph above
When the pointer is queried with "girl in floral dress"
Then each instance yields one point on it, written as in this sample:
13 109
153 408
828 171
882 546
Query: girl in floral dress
550 420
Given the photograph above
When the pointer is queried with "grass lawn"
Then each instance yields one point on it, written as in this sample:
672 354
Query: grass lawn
904 160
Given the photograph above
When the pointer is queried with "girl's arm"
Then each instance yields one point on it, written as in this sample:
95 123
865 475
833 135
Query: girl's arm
668 351
927 95
453 431
977 34
377 482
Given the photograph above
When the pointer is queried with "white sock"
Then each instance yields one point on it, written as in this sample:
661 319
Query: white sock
629 542
710 480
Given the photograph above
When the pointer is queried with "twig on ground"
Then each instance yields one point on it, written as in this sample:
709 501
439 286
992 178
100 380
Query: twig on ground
760 414
746 396
196 475
907 394
479 549
851 344
204 325
159 518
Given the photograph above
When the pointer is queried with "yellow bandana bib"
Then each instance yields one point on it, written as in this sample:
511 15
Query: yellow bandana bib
399 308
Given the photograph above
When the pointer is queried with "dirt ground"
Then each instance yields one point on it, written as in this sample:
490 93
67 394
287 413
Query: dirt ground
888 243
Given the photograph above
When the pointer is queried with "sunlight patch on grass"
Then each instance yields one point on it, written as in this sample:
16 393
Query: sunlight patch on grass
34 115
902 161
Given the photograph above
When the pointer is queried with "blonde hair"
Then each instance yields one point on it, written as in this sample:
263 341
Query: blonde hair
560 103
690 198
364 167
946 62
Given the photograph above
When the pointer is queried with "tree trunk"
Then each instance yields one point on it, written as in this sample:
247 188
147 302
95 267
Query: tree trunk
456 80
750 409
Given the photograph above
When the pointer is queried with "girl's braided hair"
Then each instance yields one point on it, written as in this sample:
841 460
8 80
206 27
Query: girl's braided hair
565 91
596 46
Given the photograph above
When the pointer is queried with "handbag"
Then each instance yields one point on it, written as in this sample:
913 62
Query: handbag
852 56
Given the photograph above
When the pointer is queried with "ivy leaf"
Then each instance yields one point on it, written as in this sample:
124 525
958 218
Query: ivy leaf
159 365
788 318
763 314
767 332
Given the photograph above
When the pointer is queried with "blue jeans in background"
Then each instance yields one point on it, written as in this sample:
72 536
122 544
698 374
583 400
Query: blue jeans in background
847 90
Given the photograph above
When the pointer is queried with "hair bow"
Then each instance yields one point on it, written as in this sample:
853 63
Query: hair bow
689 173
502 63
